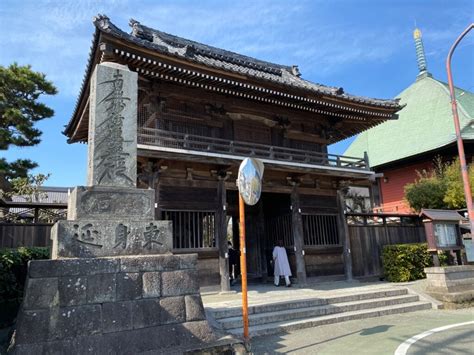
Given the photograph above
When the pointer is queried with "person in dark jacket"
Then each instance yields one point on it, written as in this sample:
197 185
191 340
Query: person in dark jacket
233 259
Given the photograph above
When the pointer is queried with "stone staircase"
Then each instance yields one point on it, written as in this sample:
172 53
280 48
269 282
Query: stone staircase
291 315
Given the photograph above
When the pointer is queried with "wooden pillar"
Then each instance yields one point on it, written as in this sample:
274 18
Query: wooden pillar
262 241
36 218
344 235
153 183
298 238
221 229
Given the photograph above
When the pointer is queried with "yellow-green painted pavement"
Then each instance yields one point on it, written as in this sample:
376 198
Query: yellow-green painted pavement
378 336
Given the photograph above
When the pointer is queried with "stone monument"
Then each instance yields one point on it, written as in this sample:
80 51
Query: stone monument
113 286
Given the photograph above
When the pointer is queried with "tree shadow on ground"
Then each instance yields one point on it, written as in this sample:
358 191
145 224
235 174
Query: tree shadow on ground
275 340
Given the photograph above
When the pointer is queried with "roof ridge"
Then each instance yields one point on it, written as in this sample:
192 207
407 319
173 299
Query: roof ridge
148 33
459 103
421 97
143 35
212 57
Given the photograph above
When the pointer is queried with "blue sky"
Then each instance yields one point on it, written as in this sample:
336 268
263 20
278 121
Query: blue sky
364 46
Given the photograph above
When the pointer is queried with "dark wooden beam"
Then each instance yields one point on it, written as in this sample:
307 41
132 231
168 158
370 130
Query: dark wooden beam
221 230
235 163
344 235
45 205
298 237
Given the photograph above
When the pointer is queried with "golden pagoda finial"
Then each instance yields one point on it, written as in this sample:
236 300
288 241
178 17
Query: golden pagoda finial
420 52
417 33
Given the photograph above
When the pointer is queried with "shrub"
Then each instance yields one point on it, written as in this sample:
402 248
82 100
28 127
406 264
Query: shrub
440 188
426 192
13 269
454 197
405 262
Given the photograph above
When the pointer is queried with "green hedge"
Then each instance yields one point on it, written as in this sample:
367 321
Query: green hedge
405 262
13 269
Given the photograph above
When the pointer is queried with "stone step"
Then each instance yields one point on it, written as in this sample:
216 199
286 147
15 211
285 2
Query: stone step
320 310
220 313
286 326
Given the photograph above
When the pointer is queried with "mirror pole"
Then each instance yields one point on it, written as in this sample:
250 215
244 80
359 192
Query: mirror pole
243 269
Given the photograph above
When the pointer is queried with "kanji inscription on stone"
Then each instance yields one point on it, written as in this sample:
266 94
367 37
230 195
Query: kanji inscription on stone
113 126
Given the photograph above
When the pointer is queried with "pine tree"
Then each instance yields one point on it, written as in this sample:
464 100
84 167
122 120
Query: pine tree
20 89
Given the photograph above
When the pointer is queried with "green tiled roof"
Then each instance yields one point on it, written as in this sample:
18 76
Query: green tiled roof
424 124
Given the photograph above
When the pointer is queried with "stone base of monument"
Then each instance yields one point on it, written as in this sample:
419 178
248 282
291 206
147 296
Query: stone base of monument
113 305
453 285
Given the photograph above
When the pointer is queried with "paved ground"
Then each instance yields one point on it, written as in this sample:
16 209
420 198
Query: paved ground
378 336
268 293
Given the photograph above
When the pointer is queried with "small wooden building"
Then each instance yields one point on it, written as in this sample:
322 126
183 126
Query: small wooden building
202 110
442 228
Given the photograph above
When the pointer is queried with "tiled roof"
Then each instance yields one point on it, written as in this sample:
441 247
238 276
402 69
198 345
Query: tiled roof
47 194
218 58
208 56
442 215
423 125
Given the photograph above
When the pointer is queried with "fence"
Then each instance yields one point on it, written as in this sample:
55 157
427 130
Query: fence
14 235
192 229
177 140
368 233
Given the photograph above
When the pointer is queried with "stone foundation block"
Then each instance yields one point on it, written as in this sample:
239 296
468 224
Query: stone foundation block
101 288
30 322
172 310
106 203
151 284
41 293
93 306
146 313
70 322
72 267
164 263
93 238
129 286
116 316
180 282
72 290
194 308
452 284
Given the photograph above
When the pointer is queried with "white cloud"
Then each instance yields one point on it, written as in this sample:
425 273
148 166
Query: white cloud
54 36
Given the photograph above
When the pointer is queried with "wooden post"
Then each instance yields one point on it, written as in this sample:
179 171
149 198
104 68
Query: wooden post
298 238
261 241
366 161
221 229
243 269
36 218
153 183
344 236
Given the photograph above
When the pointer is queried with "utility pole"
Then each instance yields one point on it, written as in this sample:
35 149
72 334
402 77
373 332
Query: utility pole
462 156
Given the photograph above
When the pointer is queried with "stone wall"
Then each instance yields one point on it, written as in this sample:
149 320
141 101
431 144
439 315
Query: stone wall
112 305
452 284
113 286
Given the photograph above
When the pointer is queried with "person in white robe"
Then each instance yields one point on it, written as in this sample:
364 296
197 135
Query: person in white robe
281 267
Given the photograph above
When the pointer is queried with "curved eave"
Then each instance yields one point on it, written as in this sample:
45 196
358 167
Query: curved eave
332 92
80 103
105 30
429 154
